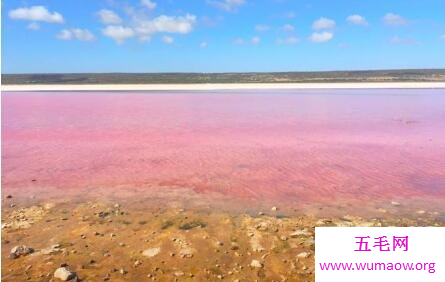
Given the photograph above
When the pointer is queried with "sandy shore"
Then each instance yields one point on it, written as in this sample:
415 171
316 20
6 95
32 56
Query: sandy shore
222 86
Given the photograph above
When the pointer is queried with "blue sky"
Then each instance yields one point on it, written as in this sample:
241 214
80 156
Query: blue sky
221 35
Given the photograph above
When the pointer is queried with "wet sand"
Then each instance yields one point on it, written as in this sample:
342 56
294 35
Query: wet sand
175 171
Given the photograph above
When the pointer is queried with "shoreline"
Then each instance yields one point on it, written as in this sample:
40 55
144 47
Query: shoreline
220 86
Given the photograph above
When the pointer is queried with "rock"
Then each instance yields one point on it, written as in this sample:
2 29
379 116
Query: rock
151 252
256 263
274 208
298 233
234 246
54 249
283 238
303 255
186 252
179 273
21 250
8 196
218 243
395 203
137 263
260 213
262 226
64 274
255 244
421 212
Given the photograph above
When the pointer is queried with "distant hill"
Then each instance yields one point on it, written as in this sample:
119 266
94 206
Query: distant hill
418 75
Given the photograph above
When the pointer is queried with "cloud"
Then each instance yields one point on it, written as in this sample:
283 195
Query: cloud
323 23
167 24
357 20
75 33
394 20
118 33
108 17
33 26
320 37
227 5
148 4
167 39
262 27
36 13
396 40
256 40
203 44
238 41
290 40
288 28
290 15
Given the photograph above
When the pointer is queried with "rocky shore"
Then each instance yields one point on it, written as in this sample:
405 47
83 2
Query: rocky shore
103 241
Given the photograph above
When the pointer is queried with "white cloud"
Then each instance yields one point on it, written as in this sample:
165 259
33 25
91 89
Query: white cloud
262 27
33 26
148 4
109 17
323 23
166 24
256 40
357 20
76 33
36 13
396 40
290 15
227 5
167 39
290 40
288 28
118 33
320 37
203 44
238 41
394 20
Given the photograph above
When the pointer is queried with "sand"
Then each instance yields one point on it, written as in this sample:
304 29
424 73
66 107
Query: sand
228 86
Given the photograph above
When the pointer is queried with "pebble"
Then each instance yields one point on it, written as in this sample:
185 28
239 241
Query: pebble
256 263
274 208
64 274
421 212
151 252
298 233
21 250
395 203
303 255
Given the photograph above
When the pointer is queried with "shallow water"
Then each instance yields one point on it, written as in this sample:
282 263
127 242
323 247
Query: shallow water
300 146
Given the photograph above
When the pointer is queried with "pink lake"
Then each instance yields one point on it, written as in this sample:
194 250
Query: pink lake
299 147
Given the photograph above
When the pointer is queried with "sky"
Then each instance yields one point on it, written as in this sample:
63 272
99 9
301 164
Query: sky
54 36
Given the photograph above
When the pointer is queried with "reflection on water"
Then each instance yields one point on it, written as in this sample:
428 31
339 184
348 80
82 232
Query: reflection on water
306 146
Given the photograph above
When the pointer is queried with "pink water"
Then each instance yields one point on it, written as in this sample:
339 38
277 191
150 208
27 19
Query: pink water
290 146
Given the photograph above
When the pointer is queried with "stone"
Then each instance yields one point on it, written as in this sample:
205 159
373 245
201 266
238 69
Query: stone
234 246
299 233
151 252
21 250
256 263
421 212
54 249
395 203
274 208
303 255
64 274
